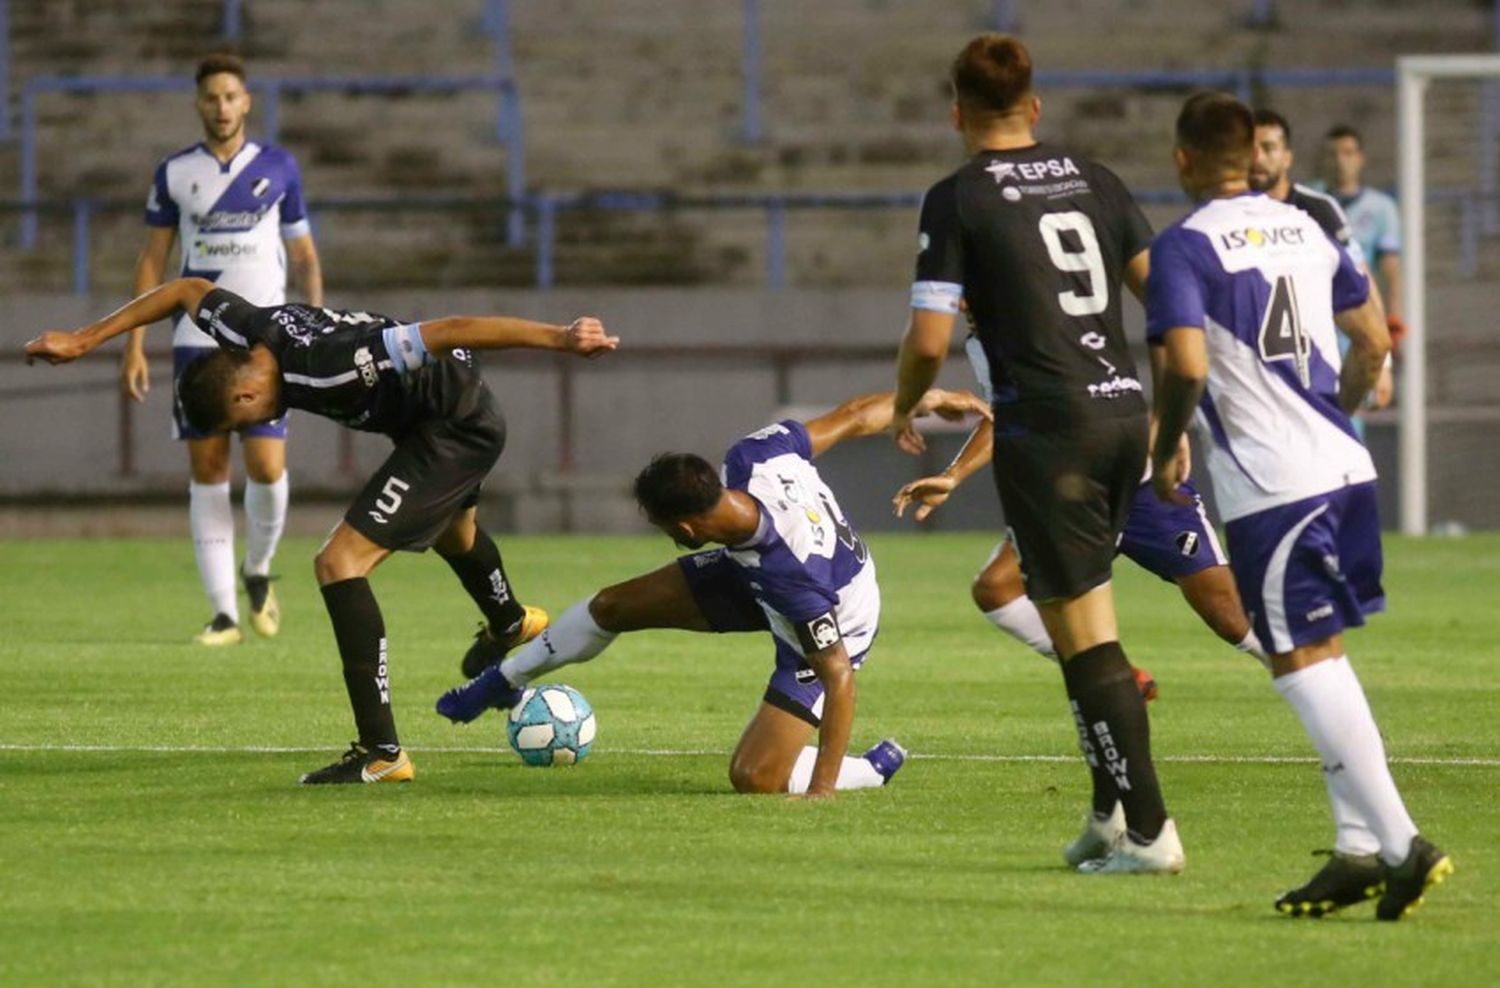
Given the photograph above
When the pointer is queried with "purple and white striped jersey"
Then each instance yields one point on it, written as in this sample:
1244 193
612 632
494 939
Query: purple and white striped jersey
1263 281
232 219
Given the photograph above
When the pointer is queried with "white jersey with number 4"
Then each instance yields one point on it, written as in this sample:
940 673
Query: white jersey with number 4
1263 282
232 218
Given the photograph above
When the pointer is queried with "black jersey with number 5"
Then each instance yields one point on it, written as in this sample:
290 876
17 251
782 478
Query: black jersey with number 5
362 369
1035 240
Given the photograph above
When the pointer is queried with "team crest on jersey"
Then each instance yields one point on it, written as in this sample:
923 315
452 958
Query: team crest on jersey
1187 543
365 364
260 187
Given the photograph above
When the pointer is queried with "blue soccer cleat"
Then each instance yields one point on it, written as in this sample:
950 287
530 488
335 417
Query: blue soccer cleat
488 690
887 757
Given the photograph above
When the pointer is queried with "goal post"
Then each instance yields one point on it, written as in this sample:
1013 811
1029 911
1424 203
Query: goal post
1414 75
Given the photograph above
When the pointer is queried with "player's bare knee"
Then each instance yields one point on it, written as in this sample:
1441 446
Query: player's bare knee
331 566
750 775
991 591
610 609
458 538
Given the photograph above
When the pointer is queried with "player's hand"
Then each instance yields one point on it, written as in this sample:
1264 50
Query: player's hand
56 347
1165 477
906 436
1384 390
135 375
587 338
951 406
1397 328
813 794
927 493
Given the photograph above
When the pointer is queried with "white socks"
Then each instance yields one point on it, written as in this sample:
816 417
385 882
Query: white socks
211 519
1366 806
855 773
573 637
265 517
1022 621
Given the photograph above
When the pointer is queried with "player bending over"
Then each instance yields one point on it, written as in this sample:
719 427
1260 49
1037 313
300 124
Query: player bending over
1173 541
414 382
788 563
1242 300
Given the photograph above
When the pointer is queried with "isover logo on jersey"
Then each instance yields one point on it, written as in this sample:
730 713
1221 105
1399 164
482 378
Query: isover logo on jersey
1254 236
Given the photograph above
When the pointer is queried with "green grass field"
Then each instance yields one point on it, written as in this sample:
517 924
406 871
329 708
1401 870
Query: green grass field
152 832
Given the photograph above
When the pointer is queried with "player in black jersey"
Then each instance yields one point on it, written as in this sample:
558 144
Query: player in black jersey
414 382
1038 240
1271 173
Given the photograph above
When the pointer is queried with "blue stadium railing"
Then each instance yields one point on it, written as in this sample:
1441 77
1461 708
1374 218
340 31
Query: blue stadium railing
1471 208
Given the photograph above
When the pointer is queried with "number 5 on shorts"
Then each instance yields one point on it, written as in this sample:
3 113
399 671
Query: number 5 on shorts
389 500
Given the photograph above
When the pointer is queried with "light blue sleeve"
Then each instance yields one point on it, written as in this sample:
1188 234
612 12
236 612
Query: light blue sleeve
1389 239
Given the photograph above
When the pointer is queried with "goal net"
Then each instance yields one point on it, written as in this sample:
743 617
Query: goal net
1448 388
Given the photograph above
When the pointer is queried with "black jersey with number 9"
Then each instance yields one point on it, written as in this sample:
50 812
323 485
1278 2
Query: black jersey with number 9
1035 241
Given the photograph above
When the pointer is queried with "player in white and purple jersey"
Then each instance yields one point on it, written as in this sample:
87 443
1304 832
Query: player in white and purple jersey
788 562
1243 298
231 202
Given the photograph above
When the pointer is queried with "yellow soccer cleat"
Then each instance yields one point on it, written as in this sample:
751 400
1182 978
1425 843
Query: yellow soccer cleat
265 610
487 650
360 764
220 631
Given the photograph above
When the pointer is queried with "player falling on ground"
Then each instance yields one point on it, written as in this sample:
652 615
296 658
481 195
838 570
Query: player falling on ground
1271 173
232 201
414 382
789 563
1243 298
1173 541
1038 241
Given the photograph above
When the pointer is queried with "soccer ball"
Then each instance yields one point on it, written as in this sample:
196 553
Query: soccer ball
552 725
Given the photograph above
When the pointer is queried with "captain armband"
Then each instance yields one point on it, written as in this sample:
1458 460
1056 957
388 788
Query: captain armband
404 345
936 296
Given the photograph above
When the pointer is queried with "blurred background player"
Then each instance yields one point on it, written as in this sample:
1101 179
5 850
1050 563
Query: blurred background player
232 202
789 563
1271 173
1243 298
412 382
1374 218
1038 241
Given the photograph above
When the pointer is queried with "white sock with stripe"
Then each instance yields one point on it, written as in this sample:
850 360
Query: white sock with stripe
573 637
211 519
1022 621
265 517
1366 804
855 773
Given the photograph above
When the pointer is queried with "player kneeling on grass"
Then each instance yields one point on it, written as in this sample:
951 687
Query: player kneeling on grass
414 382
788 563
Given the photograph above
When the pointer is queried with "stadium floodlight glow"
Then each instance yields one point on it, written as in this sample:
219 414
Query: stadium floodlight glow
1413 74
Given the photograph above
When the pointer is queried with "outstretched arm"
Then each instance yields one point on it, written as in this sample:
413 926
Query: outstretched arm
928 493
58 347
585 337
868 415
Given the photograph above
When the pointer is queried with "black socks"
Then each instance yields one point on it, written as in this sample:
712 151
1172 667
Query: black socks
483 576
360 632
1115 735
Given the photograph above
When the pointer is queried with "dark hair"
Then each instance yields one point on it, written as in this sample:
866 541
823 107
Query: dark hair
1340 131
1270 118
217 63
1217 125
203 389
674 486
992 74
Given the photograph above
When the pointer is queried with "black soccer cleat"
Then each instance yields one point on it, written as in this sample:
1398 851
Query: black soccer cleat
1346 880
265 611
1405 884
360 764
487 649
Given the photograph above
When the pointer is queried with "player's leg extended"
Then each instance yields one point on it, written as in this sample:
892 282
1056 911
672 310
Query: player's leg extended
342 567
1212 595
662 598
265 519
475 559
211 519
1000 594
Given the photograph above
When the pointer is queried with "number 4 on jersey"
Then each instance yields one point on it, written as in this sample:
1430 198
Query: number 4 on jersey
1281 335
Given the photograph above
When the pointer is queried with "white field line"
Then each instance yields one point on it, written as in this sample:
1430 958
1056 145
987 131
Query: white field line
694 752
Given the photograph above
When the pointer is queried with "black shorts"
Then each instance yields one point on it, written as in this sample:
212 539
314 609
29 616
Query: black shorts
436 469
1066 493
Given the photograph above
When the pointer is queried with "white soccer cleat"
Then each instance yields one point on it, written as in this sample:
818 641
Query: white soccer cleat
1162 856
1098 839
